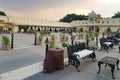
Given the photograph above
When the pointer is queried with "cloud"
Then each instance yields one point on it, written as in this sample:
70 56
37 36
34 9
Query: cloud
108 2
21 5
48 9
56 9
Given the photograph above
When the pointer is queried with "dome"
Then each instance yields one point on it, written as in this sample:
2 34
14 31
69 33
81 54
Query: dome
92 15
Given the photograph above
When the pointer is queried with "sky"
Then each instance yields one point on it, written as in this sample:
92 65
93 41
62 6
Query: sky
57 9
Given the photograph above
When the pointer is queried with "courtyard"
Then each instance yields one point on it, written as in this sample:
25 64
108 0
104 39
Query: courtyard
26 53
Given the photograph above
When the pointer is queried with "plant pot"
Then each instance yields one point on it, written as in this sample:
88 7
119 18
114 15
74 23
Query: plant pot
40 43
6 47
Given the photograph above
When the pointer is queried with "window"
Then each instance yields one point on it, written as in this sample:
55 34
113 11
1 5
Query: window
81 29
103 22
97 29
107 21
91 28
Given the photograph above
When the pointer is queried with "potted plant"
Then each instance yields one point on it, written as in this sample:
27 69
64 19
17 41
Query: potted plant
62 37
40 38
66 39
53 38
73 37
64 44
80 36
6 42
46 32
51 44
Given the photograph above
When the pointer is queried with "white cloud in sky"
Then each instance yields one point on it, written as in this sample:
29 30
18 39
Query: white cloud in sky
108 1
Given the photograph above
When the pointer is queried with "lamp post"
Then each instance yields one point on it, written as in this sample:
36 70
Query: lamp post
71 36
12 37
35 37
87 40
97 38
46 42
97 29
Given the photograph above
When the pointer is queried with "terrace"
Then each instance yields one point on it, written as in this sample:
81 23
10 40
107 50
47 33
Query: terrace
25 61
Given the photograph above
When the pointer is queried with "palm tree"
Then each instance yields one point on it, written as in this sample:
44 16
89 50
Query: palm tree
116 15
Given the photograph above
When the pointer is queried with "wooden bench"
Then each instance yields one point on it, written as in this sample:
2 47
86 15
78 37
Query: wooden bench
77 51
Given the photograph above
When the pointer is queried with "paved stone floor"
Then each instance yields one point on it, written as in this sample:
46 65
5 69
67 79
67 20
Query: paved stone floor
88 70
16 58
26 55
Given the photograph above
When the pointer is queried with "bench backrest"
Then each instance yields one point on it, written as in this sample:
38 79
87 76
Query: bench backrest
75 48
102 40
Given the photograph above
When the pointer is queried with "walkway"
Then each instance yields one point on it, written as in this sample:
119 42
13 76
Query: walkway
88 70
24 55
17 58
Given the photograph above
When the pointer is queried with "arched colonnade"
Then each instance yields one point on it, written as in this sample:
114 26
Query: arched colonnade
25 28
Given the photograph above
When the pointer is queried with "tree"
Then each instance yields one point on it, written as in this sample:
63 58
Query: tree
116 15
1 28
2 13
71 17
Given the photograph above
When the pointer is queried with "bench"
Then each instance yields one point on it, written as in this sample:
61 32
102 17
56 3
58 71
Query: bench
106 44
116 40
77 51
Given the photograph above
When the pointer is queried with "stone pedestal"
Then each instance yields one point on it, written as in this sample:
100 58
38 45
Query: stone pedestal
54 60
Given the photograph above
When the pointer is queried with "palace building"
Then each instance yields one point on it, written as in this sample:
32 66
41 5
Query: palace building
25 24
94 23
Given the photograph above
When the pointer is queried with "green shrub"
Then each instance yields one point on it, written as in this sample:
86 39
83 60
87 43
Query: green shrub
64 44
40 38
51 44
62 37
31 31
45 32
5 40
80 35
1 28
53 37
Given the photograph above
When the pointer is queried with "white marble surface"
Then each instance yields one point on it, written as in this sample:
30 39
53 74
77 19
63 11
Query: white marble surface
84 53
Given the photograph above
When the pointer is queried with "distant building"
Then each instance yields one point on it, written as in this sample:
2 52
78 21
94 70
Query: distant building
94 23
25 24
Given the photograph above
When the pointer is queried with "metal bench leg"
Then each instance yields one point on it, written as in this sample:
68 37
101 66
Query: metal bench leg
77 65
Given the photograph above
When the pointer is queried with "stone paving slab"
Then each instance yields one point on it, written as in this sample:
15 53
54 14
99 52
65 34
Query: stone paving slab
19 57
14 59
88 70
67 74
70 73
